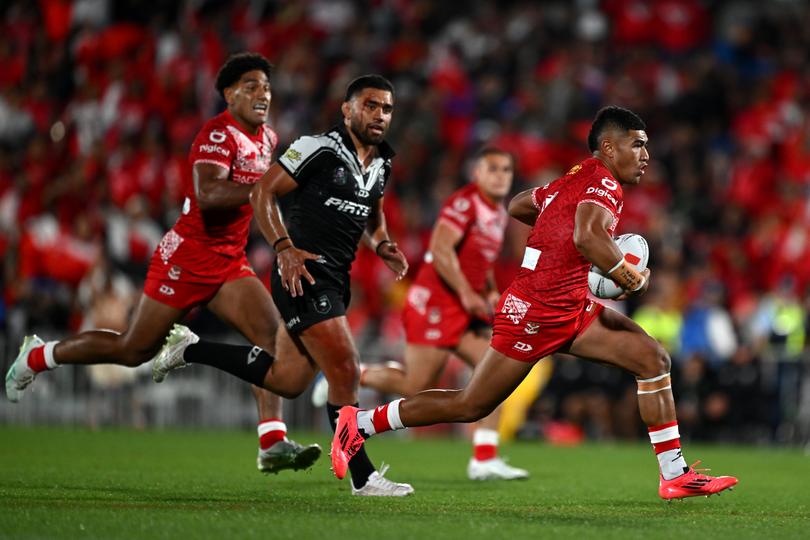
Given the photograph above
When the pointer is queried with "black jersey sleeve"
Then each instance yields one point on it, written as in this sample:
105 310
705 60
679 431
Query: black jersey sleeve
306 156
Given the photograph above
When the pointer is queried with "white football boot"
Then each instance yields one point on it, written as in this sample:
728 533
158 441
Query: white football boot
19 376
379 486
170 356
494 469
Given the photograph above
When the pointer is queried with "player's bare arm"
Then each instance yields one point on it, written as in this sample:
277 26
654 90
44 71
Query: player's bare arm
376 238
443 244
264 198
213 189
522 208
592 238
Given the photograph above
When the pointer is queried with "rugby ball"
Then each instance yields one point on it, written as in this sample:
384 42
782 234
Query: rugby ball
636 252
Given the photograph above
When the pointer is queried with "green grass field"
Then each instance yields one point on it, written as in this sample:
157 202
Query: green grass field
57 483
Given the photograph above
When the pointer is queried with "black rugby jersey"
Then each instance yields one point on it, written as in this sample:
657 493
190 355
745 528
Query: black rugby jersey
330 207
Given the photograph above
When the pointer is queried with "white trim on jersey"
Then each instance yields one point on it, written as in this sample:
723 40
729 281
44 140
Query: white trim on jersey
211 162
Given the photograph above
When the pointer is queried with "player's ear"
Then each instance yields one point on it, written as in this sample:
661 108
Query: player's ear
346 109
606 147
228 94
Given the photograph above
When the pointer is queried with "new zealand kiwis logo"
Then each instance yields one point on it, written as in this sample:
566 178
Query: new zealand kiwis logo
340 176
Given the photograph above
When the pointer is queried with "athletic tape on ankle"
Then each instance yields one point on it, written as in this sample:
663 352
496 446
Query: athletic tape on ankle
654 385
50 361
272 425
393 414
485 436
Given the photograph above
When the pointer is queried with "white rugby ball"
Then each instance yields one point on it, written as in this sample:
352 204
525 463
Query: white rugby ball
636 252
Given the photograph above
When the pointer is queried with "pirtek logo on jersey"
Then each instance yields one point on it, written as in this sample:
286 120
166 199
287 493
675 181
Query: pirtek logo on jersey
350 207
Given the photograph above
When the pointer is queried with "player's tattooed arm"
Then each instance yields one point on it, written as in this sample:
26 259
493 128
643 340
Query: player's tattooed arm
593 240
523 209
213 190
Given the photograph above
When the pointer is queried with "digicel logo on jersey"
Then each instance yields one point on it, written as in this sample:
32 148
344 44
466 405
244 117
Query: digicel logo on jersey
602 193
350 207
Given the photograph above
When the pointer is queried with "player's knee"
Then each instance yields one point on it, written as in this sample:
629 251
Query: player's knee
473 408
345 374
656 360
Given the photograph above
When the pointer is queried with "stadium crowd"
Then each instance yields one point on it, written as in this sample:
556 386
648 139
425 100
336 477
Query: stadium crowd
99 101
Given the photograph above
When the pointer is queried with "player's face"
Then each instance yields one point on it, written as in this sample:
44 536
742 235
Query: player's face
630 156
369 114
249 98
494 173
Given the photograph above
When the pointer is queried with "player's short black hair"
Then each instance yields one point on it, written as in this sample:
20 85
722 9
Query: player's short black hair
237 65
368 81
485 151
612 117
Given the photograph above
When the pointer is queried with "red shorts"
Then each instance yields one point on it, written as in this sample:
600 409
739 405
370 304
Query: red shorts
528 333
183 274
433 318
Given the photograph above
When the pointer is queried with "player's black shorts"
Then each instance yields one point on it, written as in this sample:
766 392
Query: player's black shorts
323 301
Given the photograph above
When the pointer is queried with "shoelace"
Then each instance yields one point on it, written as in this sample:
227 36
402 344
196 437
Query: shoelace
385 482
699 471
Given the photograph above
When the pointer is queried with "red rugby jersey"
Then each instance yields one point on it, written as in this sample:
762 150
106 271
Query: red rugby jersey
224 143
482 225
554 274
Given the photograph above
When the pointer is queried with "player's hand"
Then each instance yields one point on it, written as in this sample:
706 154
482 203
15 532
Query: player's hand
292 267
642 290
394 259
475 305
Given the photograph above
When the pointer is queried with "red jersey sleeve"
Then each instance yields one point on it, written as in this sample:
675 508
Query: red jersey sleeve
458 211
213 145
603 191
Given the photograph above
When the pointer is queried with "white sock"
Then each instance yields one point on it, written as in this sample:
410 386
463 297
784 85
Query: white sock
671 463
383 418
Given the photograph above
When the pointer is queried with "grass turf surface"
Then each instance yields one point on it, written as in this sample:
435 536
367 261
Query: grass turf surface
57 483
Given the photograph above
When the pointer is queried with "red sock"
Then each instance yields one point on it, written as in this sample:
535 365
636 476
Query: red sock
664 437
271 431
36 359
483 452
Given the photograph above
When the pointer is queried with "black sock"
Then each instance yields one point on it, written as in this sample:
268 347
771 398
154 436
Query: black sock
250 364
360 465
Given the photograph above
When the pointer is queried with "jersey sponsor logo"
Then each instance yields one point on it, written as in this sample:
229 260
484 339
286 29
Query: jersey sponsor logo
349 207
214 149
216 137
514 308
165 289
253 354
522 347
322 304
532 328
292 154
610 184
174 272
602 193
461 218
